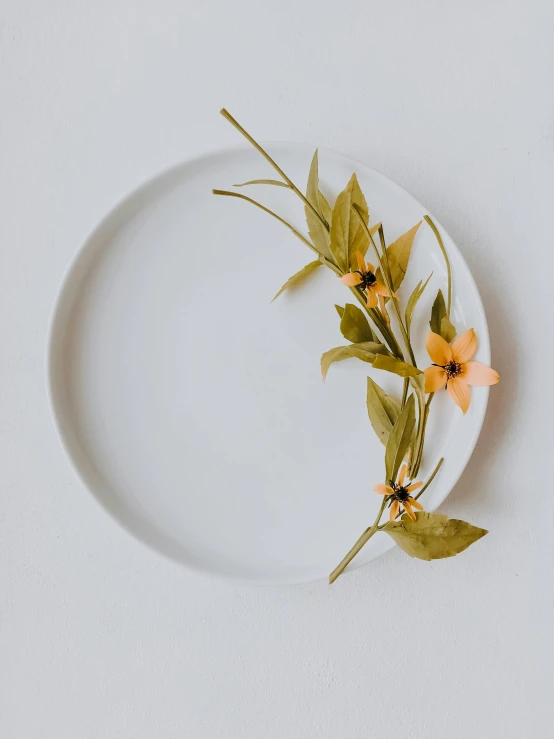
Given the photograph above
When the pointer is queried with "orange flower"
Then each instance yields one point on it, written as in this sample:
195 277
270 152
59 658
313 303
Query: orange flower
452 366
400 495
364 276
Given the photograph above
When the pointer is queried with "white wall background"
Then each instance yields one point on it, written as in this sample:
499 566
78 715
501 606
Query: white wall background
101 638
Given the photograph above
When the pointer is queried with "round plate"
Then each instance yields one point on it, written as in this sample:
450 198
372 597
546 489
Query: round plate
194 410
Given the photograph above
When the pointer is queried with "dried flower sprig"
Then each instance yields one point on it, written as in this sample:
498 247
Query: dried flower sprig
340 236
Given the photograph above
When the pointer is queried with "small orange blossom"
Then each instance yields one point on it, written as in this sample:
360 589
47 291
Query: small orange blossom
364 276
400 495
452 366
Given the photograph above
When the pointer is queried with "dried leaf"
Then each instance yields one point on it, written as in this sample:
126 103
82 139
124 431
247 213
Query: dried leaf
413 300
447 331
398 254
433 535
318 233
300 277
354 326
391 364
439 322
418 382
347 234
383 410
366 352
400 439
324 207
277 183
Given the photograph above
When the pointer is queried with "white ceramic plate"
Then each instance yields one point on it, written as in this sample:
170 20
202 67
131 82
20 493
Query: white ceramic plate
194 410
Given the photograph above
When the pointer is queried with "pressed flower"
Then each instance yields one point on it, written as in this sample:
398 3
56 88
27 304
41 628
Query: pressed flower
399 493
452 366
365 278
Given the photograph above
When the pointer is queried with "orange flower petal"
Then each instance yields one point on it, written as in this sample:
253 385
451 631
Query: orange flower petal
465 346
415 504
475 373
458 390
369 267
360 260
414 486
383 489
394 510
435 378
409 511
371 298
402 474
351 279
437 348
380 289
383 290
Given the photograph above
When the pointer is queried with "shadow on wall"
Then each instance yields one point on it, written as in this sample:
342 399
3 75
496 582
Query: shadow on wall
502 406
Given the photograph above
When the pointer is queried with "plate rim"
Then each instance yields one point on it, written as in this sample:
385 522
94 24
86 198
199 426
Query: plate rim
56 316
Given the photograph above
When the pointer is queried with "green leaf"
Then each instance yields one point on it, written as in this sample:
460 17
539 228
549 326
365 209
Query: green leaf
447 331
413 300
340 310
383 410
400 439
433 535
418 382
318 233
391 364
354 326
366 352
300 277
398 254
347 234
324 207
439 322
277 183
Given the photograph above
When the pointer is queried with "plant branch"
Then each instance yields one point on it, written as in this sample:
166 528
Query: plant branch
274 164
387 281
368 533
373 314
421 438
364 538
423 489
303 239
447 261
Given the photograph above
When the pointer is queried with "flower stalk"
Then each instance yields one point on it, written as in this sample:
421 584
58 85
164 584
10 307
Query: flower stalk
369 532
398 424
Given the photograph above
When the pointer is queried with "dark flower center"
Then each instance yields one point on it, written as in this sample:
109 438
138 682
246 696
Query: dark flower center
400 493
368 279
453 369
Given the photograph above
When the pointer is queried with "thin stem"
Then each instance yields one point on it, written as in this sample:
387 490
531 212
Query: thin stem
421 438
368 533
414 466
423 489
387 282
304 240
364 538
405 391
274 164
384 248
389 338
383 311
379 323
447 261
373 314
430 480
